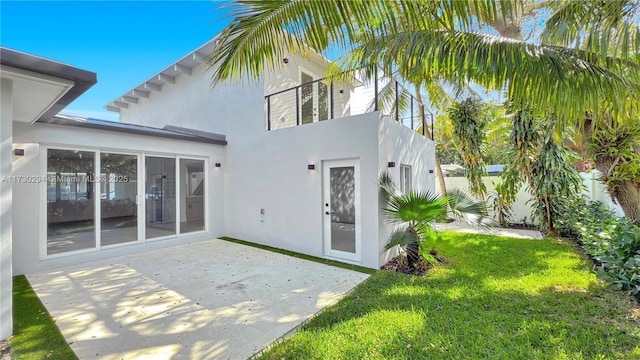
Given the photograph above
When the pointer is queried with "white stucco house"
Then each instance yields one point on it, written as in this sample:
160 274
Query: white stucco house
290 161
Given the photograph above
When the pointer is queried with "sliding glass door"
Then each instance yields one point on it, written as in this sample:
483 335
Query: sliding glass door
118 198
160 197
192 194
99 199
70 201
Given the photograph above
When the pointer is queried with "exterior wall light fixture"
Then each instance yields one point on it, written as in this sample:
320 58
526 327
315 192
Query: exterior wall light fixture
391 164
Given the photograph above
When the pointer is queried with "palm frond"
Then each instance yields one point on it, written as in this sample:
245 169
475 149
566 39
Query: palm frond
603 27
464 207
401 238
542 77
416 207
261 31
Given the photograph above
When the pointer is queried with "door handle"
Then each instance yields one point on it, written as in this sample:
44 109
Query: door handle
328 212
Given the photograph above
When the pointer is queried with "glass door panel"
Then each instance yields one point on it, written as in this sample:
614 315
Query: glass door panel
323 101
160 197
343 209
70 201
306 99
118 194
192 195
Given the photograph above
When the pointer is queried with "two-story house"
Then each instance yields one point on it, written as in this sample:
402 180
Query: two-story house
291 161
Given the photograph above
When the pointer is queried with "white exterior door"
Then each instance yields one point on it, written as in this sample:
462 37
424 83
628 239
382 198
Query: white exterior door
341 209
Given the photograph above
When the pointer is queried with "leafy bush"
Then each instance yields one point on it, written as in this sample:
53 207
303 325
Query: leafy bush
613 243
501 201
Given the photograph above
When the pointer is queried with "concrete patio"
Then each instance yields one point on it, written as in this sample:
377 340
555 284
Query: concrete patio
204 300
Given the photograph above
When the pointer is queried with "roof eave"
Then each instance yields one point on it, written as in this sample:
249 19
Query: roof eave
82 79
184 66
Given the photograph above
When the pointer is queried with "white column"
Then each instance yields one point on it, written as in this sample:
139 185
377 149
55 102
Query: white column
6 157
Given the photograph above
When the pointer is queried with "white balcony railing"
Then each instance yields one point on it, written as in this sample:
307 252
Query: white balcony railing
323 99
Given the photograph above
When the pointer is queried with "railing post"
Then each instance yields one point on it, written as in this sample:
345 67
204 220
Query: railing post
331 98
375 89
297 106
397 104
268 112
411 112
432 127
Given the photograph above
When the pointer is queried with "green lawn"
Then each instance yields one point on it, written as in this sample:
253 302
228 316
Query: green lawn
496 298
36 336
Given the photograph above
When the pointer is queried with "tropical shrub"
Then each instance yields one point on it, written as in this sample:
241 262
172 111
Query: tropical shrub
613 243
617 250
554 183
416 212
501 201
469 126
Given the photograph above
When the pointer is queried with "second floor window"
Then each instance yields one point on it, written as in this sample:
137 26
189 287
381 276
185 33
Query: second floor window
405 179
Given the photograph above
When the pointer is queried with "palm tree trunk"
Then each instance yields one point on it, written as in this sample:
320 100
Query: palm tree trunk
413 250
550 227
443 186
627 195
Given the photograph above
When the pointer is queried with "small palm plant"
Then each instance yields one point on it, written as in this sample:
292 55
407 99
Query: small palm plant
416 212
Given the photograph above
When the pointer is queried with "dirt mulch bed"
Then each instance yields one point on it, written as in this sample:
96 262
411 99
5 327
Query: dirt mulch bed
400 266
520 226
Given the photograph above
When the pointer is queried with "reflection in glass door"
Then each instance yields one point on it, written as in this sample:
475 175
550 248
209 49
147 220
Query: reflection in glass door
160 197
307 98
314 99
118 196
341 208
323 101
192 192
70 201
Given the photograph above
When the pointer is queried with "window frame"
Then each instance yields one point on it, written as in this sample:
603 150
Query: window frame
404 170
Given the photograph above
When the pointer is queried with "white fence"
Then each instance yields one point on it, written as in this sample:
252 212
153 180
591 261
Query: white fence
593 189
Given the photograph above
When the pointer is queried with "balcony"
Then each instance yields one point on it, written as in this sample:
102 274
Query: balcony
323 99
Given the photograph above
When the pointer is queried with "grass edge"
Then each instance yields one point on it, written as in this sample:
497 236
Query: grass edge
316 259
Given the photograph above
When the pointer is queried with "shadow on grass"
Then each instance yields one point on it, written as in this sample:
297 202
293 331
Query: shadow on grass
496 298
36 335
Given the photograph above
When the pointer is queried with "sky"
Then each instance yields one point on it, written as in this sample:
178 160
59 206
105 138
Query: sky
124 42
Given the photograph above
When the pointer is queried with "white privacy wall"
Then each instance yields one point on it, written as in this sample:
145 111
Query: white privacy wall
593 190
521 207
399 144
29 200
